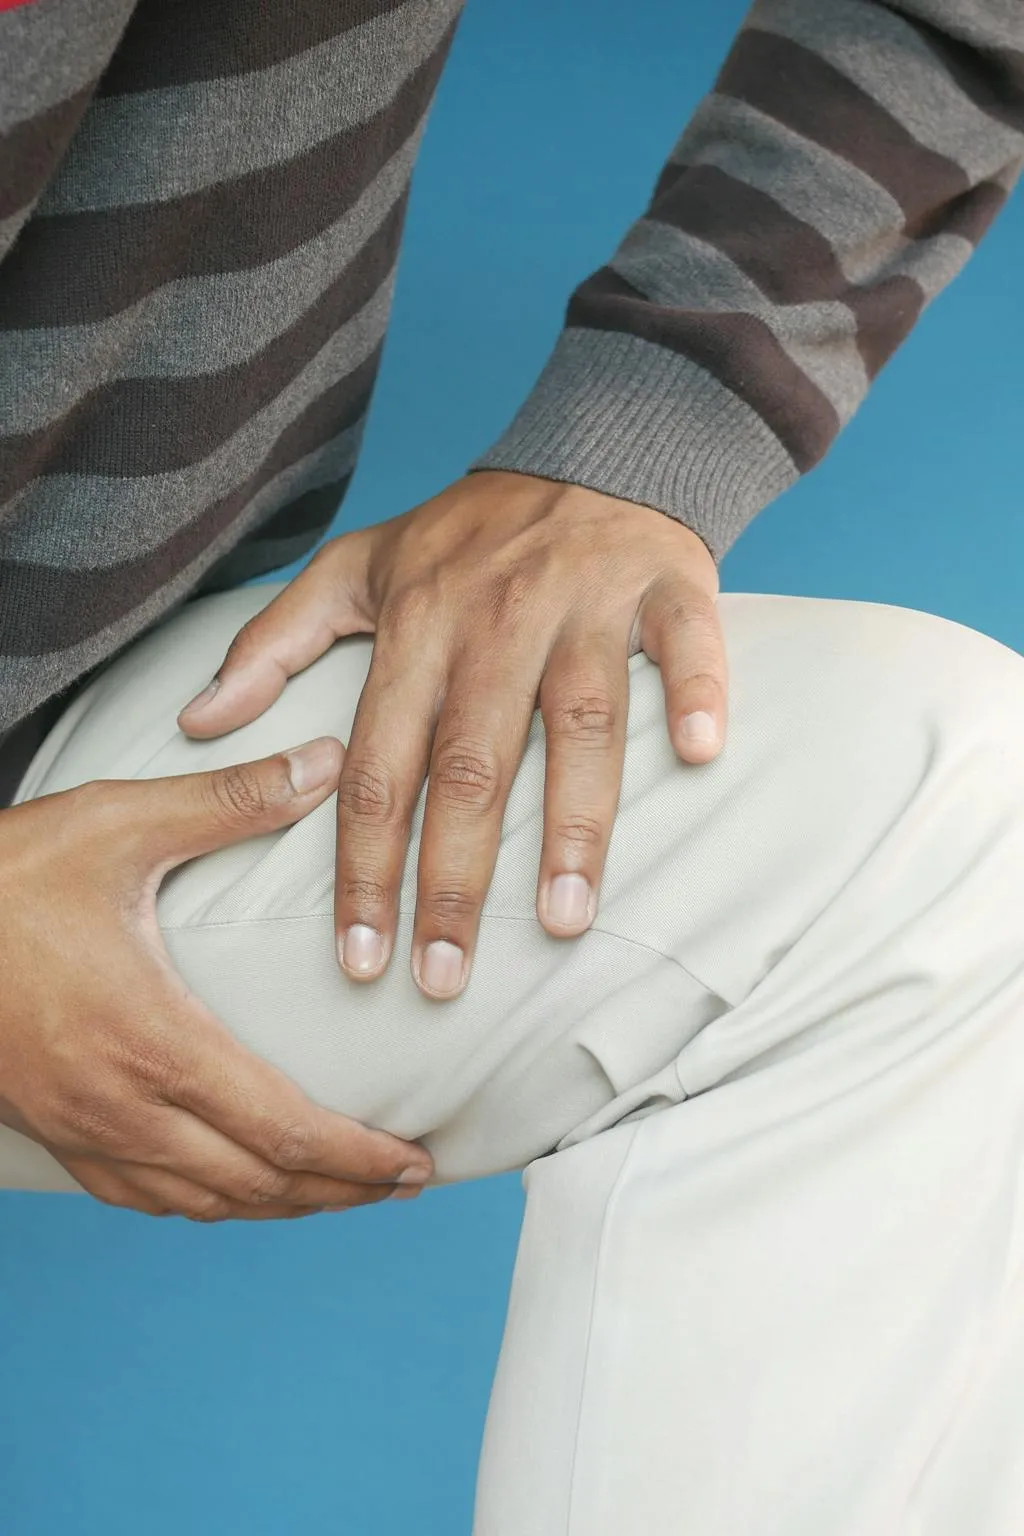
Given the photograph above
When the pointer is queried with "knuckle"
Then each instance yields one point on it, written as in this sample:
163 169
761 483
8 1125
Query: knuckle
155 1065
90 1121
466 774
367 793
591 718
267 1185
363 894
243 647
207 1206
581 831
509 591
696 627
237 793
295 1144
705 684
449 906
686 615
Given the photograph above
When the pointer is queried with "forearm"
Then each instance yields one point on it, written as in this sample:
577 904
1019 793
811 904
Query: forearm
839 175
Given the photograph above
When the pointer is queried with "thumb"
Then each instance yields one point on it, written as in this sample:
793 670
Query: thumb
324 602
167 821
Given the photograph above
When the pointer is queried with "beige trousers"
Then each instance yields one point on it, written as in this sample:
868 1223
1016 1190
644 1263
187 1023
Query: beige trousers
770 1109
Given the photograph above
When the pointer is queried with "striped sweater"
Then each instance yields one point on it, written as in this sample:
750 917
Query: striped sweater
201 207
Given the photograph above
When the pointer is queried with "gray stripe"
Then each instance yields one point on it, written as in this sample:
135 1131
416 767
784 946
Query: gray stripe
890 61
10 229
612 411
671 267
891 252
934 263
840 202
194 326
988 24
111 519
25 681
168 143
57 46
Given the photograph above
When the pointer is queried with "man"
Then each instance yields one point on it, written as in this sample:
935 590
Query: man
200 210
770 1103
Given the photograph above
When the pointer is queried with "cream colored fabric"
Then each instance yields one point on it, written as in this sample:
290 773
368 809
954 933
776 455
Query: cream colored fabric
770 1283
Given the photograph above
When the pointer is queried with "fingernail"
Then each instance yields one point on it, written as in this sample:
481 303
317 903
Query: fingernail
362 950
700 728
441 968
201 699
405 1194
568 904
417 1174
310 765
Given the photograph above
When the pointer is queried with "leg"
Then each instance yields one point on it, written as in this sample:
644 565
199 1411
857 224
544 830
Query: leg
793 1305
766 1307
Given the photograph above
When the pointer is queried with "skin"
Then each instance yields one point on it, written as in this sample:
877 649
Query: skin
503 593
108 1061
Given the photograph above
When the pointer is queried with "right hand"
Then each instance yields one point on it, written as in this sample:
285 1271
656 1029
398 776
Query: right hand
108 1061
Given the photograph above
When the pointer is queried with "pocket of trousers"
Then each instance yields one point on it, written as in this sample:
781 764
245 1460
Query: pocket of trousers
636 1037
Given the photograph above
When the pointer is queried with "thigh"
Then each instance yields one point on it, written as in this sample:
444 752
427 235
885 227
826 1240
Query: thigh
793 1303
714 875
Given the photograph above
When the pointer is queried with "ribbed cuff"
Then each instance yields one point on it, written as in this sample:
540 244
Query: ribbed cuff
637 421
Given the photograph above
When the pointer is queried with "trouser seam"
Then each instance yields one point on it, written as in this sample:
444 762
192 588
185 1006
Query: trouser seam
602 1242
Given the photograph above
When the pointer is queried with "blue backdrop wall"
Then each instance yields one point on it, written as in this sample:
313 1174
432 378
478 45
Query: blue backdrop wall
332 1375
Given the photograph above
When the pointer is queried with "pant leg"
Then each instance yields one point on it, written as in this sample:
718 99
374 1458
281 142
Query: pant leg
793 1304
765 1307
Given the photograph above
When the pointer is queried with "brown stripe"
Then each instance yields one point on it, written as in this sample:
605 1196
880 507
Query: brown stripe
174 42
149 426
69 606
792 263
309 513
299 526
800 90
993 79
70 269
789 260
886 313
970 216
32 149
738 349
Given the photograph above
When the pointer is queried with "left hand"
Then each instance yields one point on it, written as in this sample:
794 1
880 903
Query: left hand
503 590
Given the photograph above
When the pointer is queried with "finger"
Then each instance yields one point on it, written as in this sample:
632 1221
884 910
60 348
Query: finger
187 1147
160 823
584 701
681 632
379 788
156 1192
319 606
259 1108
477 748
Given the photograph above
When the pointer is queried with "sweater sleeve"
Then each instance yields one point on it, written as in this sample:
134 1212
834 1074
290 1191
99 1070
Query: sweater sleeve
840 173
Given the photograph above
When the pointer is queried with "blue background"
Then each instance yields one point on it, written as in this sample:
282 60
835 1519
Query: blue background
161 1378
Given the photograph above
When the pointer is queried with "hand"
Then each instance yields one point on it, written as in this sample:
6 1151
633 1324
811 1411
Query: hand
503 588
107 1060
